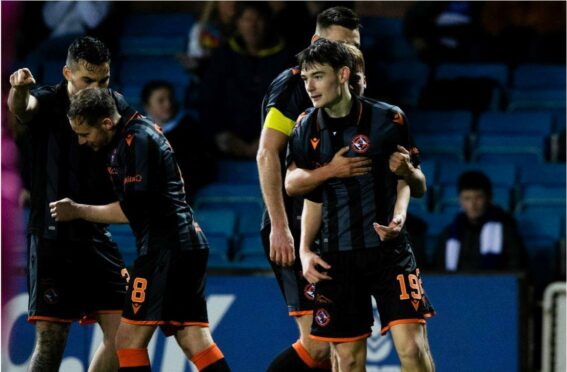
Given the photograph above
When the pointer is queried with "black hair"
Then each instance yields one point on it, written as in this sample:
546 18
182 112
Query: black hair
92 105
338 16
326 52
475 180
154 85
89 49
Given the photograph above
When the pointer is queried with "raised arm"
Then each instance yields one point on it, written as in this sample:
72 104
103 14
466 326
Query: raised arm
272 142
300 181
67 210
20 102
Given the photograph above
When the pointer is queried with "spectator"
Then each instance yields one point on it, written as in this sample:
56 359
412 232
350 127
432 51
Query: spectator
214 27
192 147
237 77
483 236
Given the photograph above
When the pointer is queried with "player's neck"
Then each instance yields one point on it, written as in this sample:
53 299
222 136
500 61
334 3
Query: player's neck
341 107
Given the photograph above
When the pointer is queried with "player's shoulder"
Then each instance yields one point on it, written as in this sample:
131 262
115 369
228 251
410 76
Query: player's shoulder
392 112
302 123
286 81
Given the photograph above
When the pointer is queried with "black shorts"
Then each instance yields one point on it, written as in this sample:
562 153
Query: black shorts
167 288
343 305
70 281
297 291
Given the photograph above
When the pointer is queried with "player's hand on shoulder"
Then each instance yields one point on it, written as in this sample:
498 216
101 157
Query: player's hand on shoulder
22 79
314 267
64 210
342 166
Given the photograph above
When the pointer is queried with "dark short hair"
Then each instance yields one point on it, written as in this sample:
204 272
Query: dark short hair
338 16
154 85
89 49
92 105
475 180
326 52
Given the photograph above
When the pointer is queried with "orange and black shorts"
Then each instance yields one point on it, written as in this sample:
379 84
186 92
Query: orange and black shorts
70 280
167 289
343 306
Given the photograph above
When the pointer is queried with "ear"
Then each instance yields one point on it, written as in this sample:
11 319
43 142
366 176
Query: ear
67 73
107 124
344 74
314 38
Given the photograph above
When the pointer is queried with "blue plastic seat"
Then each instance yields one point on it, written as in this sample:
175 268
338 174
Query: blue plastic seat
546 174
541 99
140 70
536 76
162 24
497 71
237 171
541 233
509 149
443 147
501 175
251 253
440 122
152 45
516 123
542 198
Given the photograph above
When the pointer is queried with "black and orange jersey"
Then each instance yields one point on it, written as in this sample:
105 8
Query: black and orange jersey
351 205
284 101
61 168
149 185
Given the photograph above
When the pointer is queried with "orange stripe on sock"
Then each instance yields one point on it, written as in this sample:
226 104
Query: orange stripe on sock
207 357
304 355
133 357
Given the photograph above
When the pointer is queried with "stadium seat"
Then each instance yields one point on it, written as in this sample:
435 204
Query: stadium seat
497 72
392 48
501 175
442 147
237 171
546 174
541 99
250 253
550 200
541 234
163 24
440 122
536 76
152 45
516 123
509 149
436 223
140 70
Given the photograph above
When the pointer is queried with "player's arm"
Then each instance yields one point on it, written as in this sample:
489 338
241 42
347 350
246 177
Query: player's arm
400 213
20 102
310 225
273 140
400 164
67 210
300 181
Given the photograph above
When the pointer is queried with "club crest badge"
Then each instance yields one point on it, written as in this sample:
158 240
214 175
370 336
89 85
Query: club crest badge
360 144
